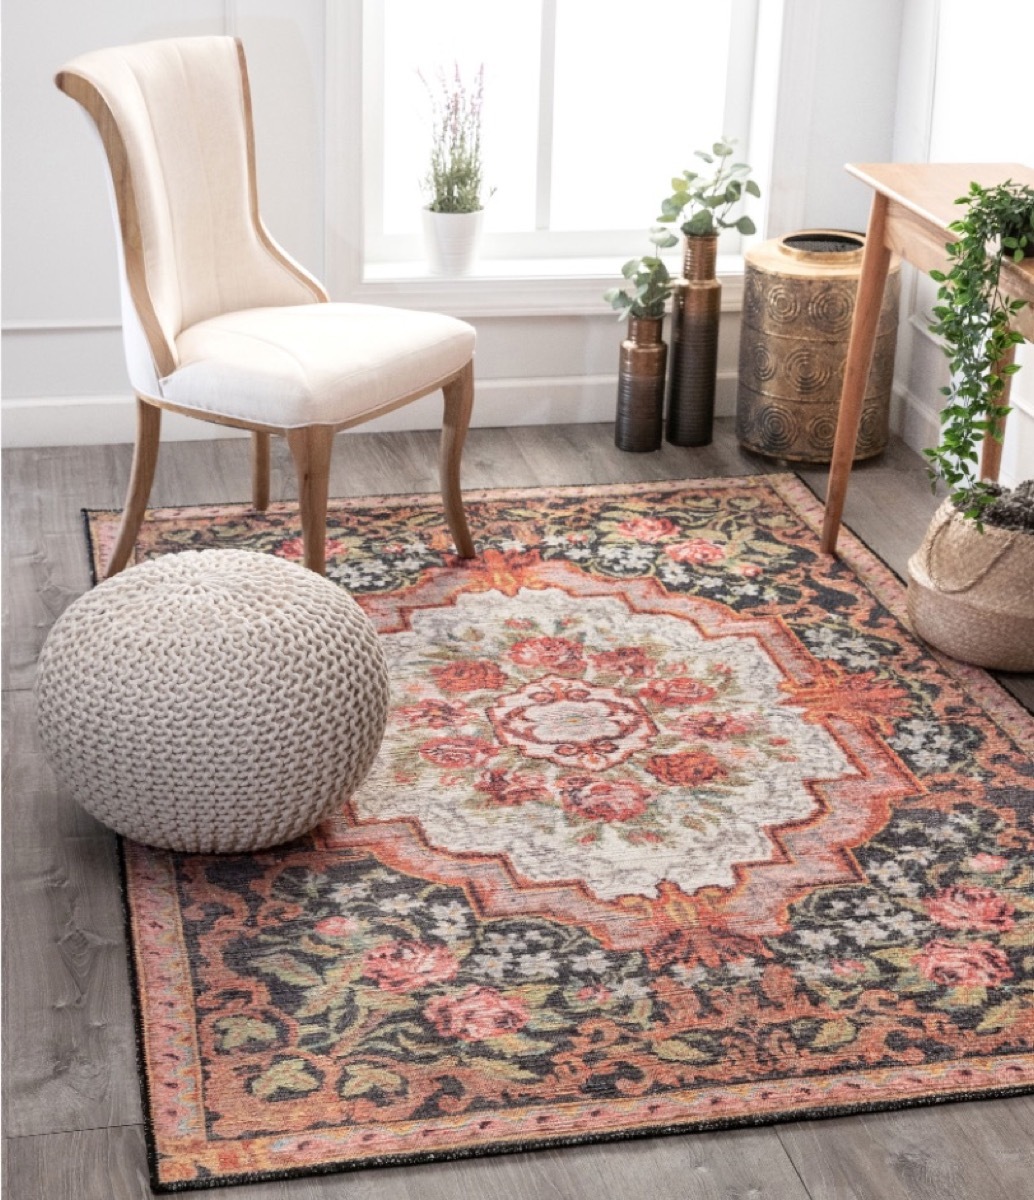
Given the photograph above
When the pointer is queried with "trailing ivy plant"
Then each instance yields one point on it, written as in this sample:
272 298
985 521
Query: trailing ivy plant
651 285
708 197
973 319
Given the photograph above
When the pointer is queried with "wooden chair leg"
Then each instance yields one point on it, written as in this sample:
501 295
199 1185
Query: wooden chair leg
260 470
311 448
145 458
459 400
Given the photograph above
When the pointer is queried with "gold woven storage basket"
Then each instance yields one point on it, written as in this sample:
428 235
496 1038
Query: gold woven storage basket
971 594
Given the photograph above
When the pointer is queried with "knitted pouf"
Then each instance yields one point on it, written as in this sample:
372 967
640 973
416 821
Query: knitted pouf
213 700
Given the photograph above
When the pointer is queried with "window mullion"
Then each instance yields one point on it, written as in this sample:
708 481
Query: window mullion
547 71
740 73
738 94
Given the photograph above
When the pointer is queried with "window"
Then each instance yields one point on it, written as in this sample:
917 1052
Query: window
589 110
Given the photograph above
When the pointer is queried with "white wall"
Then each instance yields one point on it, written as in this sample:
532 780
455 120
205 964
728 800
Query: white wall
964 96
547 349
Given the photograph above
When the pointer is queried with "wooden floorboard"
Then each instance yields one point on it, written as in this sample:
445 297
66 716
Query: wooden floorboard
915 1154
109 1163
69 1058
72 1116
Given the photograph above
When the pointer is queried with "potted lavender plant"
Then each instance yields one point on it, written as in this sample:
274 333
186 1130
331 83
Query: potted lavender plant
453 215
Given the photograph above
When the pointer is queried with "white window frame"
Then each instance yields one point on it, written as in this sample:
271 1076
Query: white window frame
396 254
782 91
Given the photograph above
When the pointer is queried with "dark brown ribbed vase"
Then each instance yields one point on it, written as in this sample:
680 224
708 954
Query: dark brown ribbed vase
640 414
696 310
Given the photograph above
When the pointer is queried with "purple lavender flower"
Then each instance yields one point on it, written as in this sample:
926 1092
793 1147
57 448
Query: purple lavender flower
455 175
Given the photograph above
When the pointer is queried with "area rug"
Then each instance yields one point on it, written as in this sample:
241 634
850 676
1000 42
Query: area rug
675 827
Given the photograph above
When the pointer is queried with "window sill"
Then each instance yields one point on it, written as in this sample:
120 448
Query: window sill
516 287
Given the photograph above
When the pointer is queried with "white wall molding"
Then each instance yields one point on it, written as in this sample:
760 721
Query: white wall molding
919 424
91 421
552 296
62 358
62 325
97 420
559 400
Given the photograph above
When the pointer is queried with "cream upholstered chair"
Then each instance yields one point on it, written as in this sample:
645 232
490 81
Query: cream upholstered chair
218 321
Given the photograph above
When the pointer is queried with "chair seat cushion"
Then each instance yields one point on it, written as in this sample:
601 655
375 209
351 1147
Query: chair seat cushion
314 364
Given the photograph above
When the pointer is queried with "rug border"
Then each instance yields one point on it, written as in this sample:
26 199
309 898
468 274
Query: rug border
531 1147
859 549
92 549
150 1139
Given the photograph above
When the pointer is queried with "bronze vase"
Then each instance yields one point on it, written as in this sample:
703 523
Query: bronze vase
696 309
640 412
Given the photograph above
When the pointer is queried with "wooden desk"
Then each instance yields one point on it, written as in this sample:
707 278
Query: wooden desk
912 207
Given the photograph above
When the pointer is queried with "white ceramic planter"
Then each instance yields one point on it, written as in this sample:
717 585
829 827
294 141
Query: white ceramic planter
451 240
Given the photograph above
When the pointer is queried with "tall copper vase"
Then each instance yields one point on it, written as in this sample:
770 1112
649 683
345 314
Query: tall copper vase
641 386
696 310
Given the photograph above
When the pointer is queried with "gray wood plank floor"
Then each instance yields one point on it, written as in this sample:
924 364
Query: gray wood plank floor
72 1113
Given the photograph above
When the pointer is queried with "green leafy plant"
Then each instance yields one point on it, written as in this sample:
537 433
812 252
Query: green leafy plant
454 179
703 200
647 291
973 319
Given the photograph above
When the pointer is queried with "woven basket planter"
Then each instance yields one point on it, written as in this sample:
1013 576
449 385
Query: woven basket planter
971 593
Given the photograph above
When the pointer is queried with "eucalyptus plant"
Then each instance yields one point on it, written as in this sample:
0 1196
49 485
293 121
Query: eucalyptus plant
647 291
973 319
705 199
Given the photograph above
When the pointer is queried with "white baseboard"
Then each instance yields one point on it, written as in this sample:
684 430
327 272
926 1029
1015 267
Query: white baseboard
90 421
97 420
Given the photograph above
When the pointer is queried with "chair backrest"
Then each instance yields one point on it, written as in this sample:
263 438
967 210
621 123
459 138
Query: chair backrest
175 120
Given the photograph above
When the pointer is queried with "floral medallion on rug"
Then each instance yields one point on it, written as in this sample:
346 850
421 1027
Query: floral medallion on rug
675 826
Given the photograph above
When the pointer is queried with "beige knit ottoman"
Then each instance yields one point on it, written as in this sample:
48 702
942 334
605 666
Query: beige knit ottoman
213 700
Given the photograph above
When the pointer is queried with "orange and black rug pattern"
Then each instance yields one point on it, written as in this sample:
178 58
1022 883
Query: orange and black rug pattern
675 826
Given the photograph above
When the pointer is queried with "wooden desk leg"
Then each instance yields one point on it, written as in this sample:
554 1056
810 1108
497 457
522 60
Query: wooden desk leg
868 302
991 447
